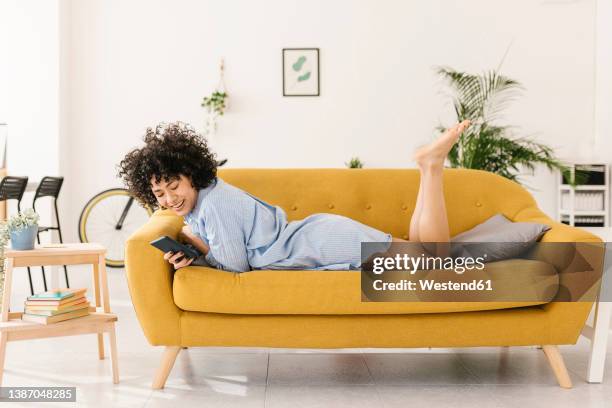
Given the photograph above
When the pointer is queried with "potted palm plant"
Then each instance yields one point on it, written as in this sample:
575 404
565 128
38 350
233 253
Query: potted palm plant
486 145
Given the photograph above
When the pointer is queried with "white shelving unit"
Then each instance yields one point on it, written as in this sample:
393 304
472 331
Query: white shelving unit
571 211
586 205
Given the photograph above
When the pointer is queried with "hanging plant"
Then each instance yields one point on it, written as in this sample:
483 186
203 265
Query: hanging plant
215 103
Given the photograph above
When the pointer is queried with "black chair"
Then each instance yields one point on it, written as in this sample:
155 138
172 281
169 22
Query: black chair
50 187
12 188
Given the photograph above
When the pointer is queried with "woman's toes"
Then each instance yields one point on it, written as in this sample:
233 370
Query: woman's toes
436 151
451 134
464 125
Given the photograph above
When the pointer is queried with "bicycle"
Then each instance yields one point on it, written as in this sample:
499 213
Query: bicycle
110 217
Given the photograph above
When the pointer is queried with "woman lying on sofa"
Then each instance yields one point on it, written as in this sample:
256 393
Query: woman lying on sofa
238 232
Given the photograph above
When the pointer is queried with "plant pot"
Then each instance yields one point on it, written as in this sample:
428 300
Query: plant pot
24 238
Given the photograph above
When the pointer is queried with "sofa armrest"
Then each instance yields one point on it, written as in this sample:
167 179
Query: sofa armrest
559 255
559 232
150 279
564 313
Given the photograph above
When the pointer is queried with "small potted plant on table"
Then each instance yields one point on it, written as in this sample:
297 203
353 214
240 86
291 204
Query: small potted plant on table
22 229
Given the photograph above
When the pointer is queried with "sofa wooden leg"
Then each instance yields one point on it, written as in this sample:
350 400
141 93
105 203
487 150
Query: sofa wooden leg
165 367
558 365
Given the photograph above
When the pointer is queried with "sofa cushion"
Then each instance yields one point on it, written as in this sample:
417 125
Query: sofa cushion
202 289
498 238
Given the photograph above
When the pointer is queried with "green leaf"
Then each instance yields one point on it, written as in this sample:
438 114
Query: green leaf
304 77
297 65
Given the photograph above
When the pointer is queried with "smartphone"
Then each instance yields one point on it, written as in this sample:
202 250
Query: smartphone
167 244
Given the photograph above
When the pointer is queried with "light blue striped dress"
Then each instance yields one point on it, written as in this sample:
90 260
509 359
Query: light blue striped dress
245 233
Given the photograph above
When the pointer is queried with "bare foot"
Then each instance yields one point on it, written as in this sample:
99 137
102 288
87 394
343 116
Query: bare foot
435 152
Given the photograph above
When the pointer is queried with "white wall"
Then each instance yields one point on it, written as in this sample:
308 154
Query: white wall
29 102
33 71
4 44
134 63
603 95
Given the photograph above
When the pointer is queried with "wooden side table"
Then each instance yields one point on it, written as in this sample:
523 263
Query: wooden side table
100 319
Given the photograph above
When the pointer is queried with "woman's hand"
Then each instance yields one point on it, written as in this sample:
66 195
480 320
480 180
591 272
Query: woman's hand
188 237
175 260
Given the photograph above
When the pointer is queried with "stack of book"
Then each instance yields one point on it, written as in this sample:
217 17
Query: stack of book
56 305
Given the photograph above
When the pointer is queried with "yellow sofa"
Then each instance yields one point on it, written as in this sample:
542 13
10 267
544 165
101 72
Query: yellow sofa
198 306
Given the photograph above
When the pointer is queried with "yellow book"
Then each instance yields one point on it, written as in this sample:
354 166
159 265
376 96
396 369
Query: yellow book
53 304
54 319
51 312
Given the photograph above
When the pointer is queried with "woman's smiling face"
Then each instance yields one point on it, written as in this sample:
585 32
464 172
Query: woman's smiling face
176 194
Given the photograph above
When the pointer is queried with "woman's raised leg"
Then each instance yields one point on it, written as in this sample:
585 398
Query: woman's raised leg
431 224
416 215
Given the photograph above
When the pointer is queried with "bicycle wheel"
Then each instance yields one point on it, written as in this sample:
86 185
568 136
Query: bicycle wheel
109 218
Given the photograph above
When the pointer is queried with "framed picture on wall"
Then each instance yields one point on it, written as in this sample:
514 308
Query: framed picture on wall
301 72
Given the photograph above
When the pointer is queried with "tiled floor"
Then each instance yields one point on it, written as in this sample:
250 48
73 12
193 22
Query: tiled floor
240 377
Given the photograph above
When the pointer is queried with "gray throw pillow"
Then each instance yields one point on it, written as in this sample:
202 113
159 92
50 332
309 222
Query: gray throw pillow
498 238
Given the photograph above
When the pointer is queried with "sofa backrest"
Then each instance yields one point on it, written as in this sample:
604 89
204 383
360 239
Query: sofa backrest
382 198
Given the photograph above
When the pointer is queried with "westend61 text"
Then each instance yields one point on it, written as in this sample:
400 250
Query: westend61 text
429 285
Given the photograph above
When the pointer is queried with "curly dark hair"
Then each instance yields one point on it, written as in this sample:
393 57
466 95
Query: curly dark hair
171 149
